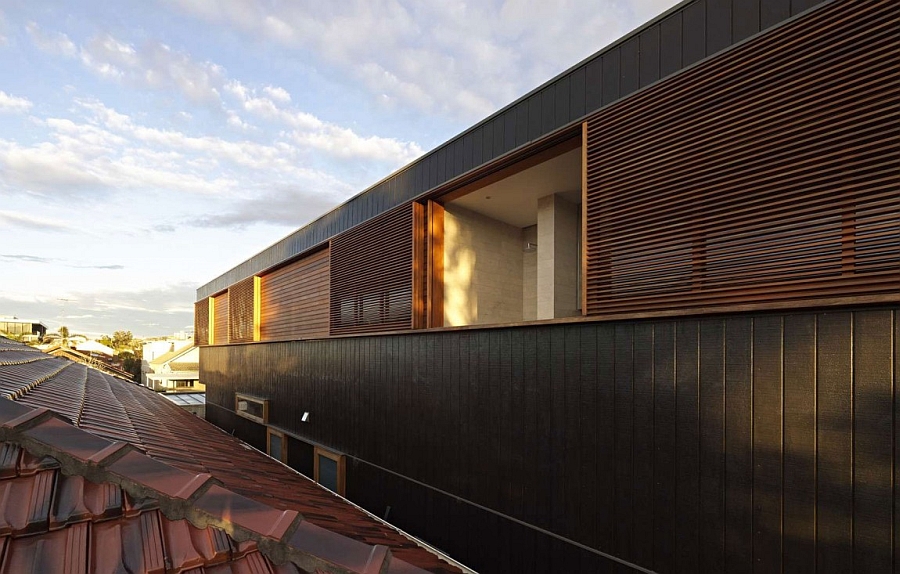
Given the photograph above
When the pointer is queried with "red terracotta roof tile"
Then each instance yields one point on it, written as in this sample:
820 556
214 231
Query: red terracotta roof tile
68 439
173 473
25 500
69 503
76 540
157 475
60 551
251 514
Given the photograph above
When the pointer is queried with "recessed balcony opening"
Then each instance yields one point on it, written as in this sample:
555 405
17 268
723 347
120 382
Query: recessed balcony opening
511 248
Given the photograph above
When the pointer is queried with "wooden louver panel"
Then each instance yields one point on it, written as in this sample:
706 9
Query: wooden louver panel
220 319
770 173
372 275
201 322
240 311
294 299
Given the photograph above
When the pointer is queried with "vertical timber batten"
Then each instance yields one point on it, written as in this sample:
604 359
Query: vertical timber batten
419 266
257 308
435 256
211 325
584 202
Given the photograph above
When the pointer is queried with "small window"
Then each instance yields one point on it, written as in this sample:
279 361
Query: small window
277 445
330 470
253 408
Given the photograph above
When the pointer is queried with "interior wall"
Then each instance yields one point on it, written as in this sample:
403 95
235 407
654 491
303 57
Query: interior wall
483 265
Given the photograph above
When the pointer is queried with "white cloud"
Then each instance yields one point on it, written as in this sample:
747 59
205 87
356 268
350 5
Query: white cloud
10 103
277 93
30 223
157 66
106 152
462 59
311 132
54 43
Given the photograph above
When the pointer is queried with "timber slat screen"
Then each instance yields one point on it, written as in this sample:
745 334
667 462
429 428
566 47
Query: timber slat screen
201 322
220 319
240 311
764 174
294 299
372 275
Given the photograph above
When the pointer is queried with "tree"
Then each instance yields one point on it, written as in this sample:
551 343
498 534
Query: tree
64 332
132 364
122 340
106 340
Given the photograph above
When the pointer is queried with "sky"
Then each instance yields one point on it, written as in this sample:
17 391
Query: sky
148 146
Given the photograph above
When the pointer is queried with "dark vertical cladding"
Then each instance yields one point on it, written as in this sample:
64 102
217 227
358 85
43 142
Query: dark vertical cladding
768 173
372 275
201 322
656 51
744 442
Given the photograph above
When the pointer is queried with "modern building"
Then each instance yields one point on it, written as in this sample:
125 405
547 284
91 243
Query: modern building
644 318
98 474
29 330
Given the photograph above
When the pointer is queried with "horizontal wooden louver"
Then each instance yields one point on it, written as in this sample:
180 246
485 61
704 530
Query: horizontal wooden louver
294 299
770 173
371 275
220 319
201 322
240 311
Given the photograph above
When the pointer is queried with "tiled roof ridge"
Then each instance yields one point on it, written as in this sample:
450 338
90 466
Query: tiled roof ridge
21 391
20 361
125 395
282 535
85 359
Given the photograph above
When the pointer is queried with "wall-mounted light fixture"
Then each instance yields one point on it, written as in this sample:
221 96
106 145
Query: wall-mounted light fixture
530 247
305 417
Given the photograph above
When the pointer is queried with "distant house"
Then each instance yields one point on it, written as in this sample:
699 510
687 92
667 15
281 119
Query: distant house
26 329
93 347
175 371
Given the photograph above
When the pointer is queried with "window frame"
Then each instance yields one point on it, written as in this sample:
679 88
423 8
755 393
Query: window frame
238 397
339 459
270 433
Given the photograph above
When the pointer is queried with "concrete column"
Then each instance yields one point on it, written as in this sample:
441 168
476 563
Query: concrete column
557 258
